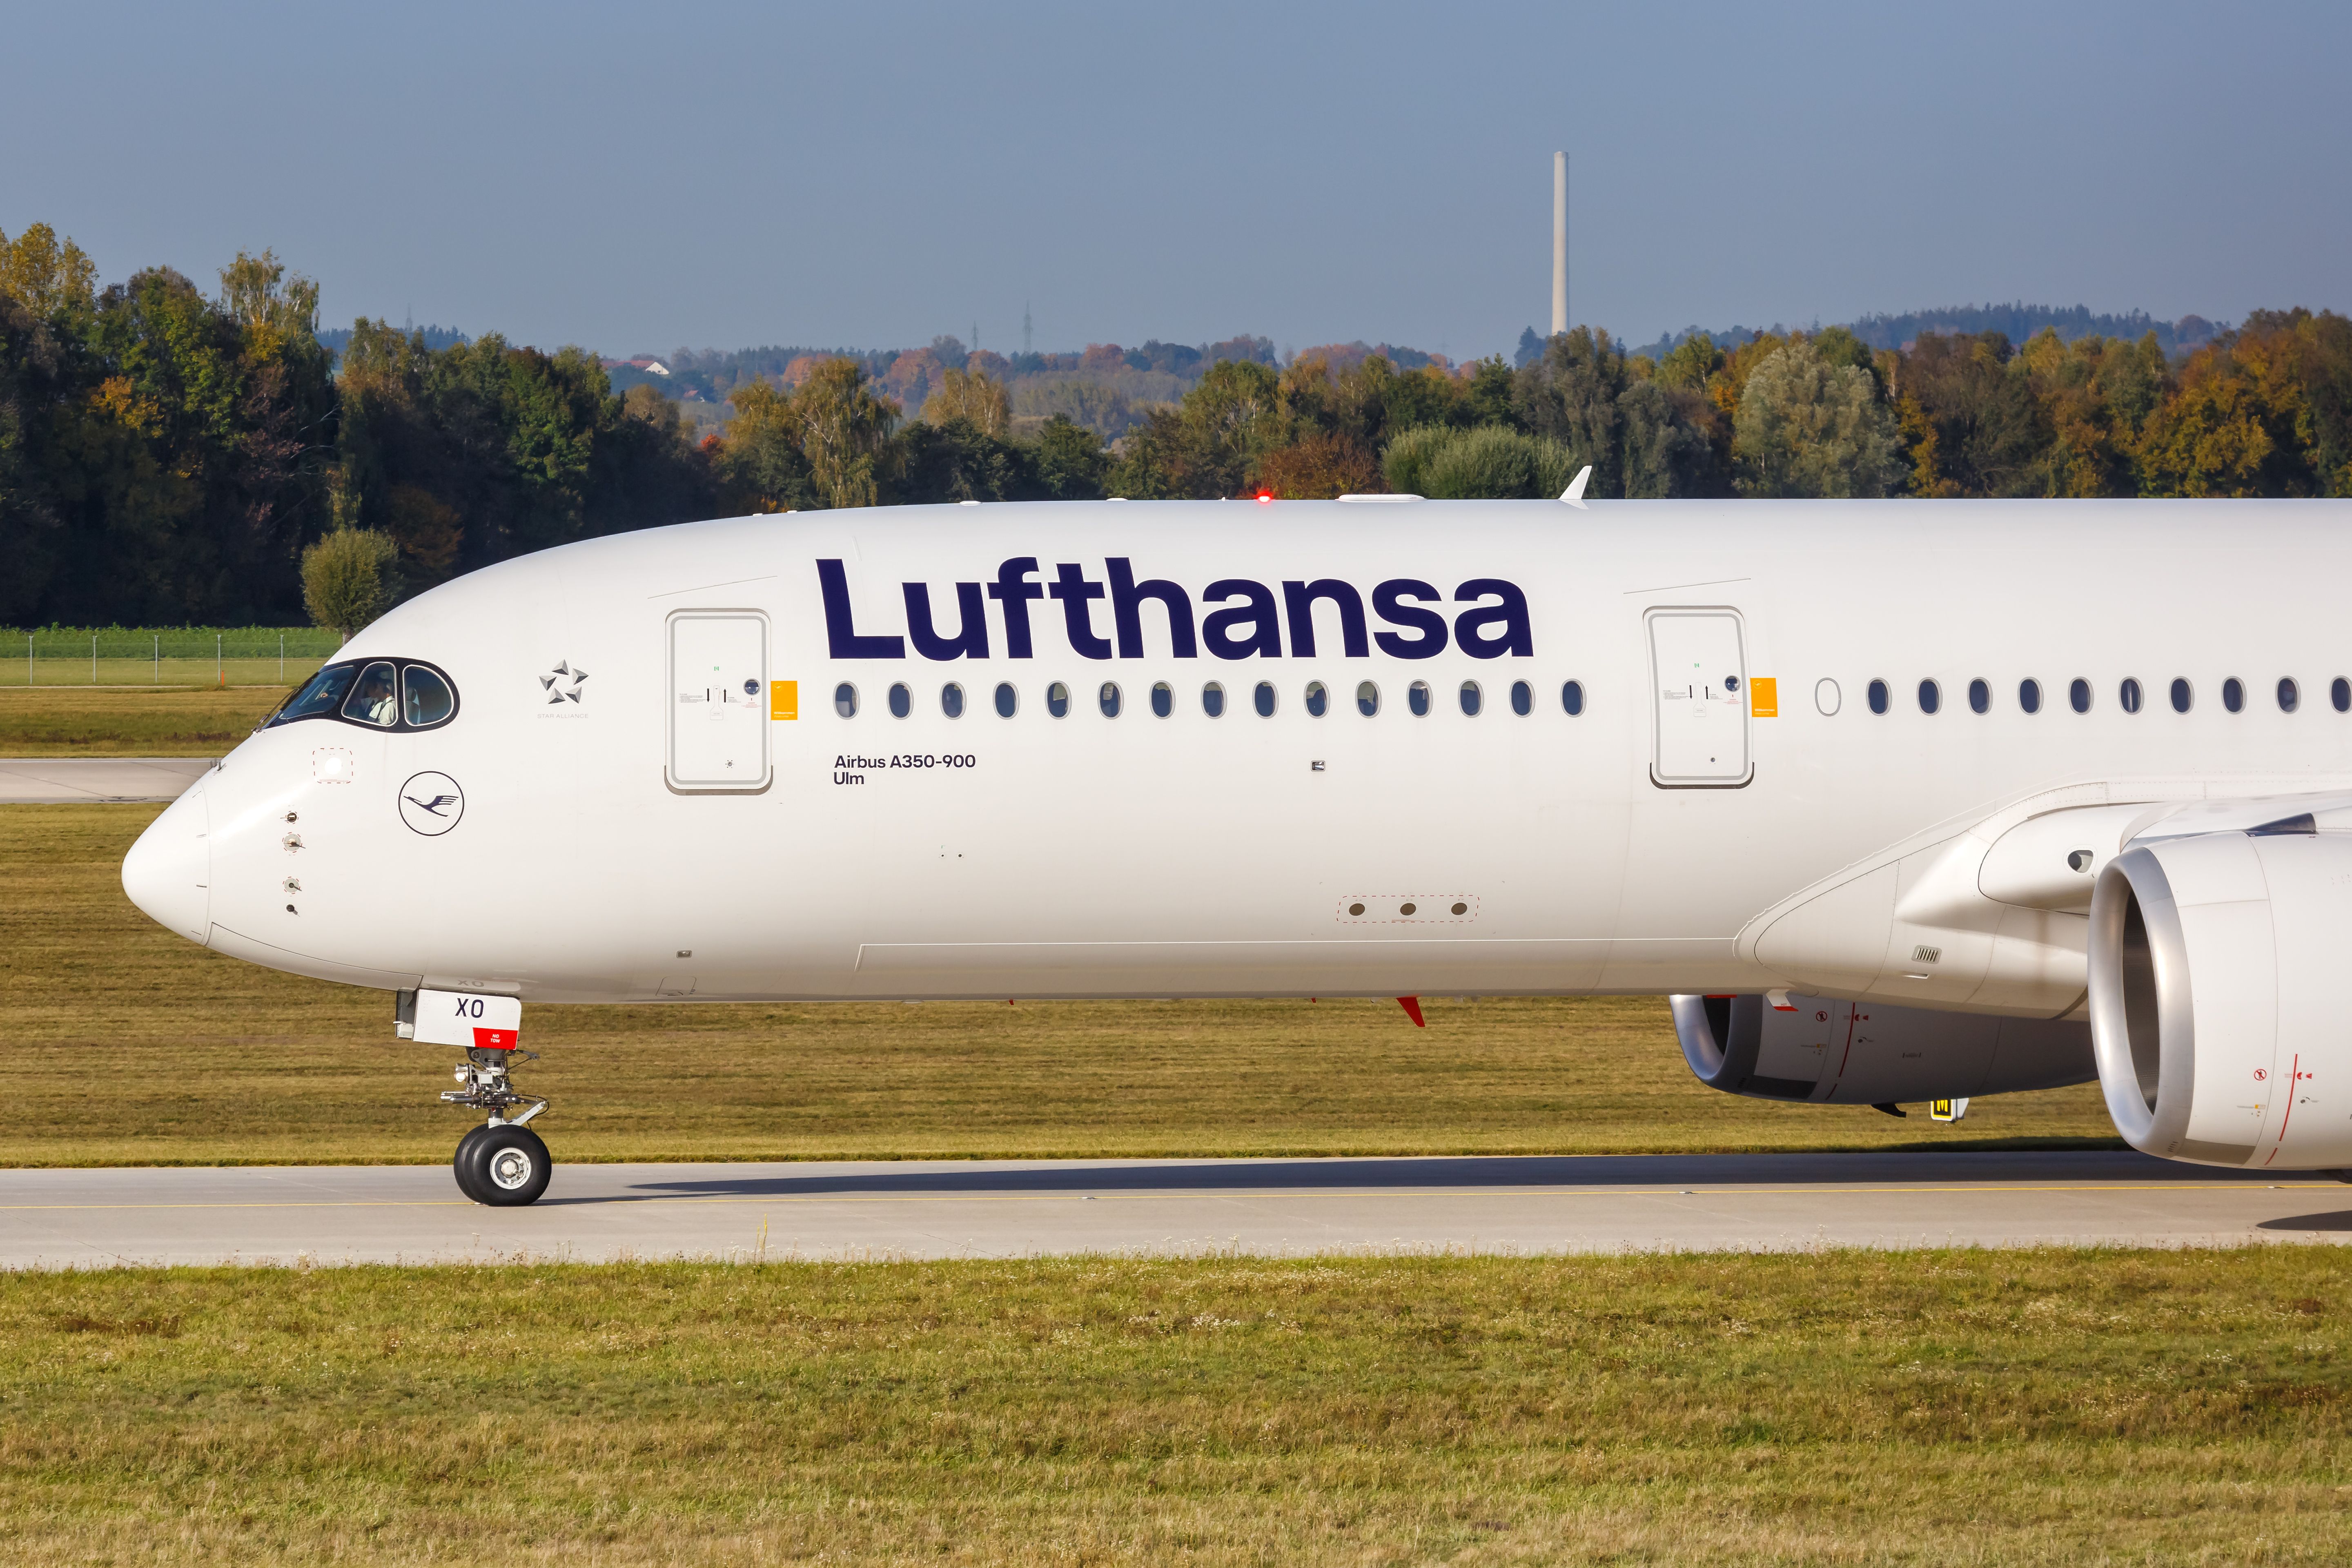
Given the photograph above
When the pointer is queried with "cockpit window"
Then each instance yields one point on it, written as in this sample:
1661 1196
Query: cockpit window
321 696
378 694
371 700
426 697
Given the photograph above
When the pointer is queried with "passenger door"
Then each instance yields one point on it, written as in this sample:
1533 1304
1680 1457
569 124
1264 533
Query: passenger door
718 728
1698 700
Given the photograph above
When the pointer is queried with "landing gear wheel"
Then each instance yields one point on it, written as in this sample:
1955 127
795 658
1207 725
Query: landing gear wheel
460 1164
504 1167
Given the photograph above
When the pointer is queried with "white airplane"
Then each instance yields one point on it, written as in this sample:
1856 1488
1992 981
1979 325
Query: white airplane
1899 802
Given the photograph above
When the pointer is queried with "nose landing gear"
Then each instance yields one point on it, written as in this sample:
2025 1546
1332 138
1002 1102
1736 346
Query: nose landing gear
502 1163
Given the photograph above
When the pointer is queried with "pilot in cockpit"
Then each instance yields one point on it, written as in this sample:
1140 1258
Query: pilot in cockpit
373 699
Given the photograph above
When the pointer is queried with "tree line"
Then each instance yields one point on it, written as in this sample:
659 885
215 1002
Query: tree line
168 456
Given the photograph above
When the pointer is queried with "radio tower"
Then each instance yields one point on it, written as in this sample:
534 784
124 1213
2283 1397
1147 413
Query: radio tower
1024 327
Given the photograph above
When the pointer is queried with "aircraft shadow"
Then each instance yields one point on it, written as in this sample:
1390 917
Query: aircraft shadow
1467 1173
2340 1220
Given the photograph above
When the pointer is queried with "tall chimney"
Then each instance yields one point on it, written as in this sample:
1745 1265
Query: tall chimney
1559 243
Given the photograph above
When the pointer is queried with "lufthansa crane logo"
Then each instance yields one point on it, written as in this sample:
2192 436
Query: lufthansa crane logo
432 803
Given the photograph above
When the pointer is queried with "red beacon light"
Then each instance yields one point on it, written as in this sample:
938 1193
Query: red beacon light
1265 496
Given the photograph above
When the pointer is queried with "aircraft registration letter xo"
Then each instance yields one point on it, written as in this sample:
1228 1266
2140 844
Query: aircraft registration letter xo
469 1018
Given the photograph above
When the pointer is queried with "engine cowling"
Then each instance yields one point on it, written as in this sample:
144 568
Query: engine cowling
2217 976
1869 1053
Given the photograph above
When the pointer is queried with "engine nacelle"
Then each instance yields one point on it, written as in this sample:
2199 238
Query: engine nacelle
1868 1053
2217 976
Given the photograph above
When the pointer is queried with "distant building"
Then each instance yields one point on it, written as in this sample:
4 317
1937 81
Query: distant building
651 366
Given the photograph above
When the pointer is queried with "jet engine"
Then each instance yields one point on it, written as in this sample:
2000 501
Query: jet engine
1867 1053
2217 980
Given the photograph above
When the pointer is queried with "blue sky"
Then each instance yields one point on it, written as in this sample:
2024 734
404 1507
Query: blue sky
638 178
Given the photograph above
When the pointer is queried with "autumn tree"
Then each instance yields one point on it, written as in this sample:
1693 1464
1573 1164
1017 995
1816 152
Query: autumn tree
1690 365
1583 392
1209 444
1808 427
349 578
1319 467
844 430
1069 460
53 279
2209 439
2095 395
1488 463
760 467
34 406
2265 410
1976 427
973 397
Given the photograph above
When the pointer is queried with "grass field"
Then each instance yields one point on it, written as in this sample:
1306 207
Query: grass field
1966 1408
68 722
87 656
122 1044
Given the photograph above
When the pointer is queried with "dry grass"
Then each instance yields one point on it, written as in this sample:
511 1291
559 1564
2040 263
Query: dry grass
1840 1407
166 722
122 1044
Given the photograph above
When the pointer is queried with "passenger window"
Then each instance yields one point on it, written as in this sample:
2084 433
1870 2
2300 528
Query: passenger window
427 699
1317 699
1368 699
2128 694
1470 698
2233 694
1264 697
1057 700
1212 699
1571 698
2028 695
845 701
2078 694
1878 696
2287 695
1931 697
2183 696
1108 696
372 702
952 701
1979 697
1523 698
1827 697
1008 700
2340 693
902 701
1416 698
1163 699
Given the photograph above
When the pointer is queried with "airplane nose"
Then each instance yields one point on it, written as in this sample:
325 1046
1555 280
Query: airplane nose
168 871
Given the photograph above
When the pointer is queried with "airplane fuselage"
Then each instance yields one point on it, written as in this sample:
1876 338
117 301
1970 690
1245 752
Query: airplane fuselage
628 824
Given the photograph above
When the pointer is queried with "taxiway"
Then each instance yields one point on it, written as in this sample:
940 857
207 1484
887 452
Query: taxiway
288 1215
61 781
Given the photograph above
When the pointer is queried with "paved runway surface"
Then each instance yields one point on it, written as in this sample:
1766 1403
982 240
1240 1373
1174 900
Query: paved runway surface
63 1218
51 781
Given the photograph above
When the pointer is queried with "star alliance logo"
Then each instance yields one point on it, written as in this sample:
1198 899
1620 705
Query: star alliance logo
553 682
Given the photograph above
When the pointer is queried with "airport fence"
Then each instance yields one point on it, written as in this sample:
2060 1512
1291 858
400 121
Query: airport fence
163 656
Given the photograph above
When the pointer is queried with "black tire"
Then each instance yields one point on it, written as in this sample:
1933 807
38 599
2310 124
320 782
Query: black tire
507 1167
460 1164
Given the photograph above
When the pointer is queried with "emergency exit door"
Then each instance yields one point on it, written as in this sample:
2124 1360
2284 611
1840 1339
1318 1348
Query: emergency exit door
1699 692
718 701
